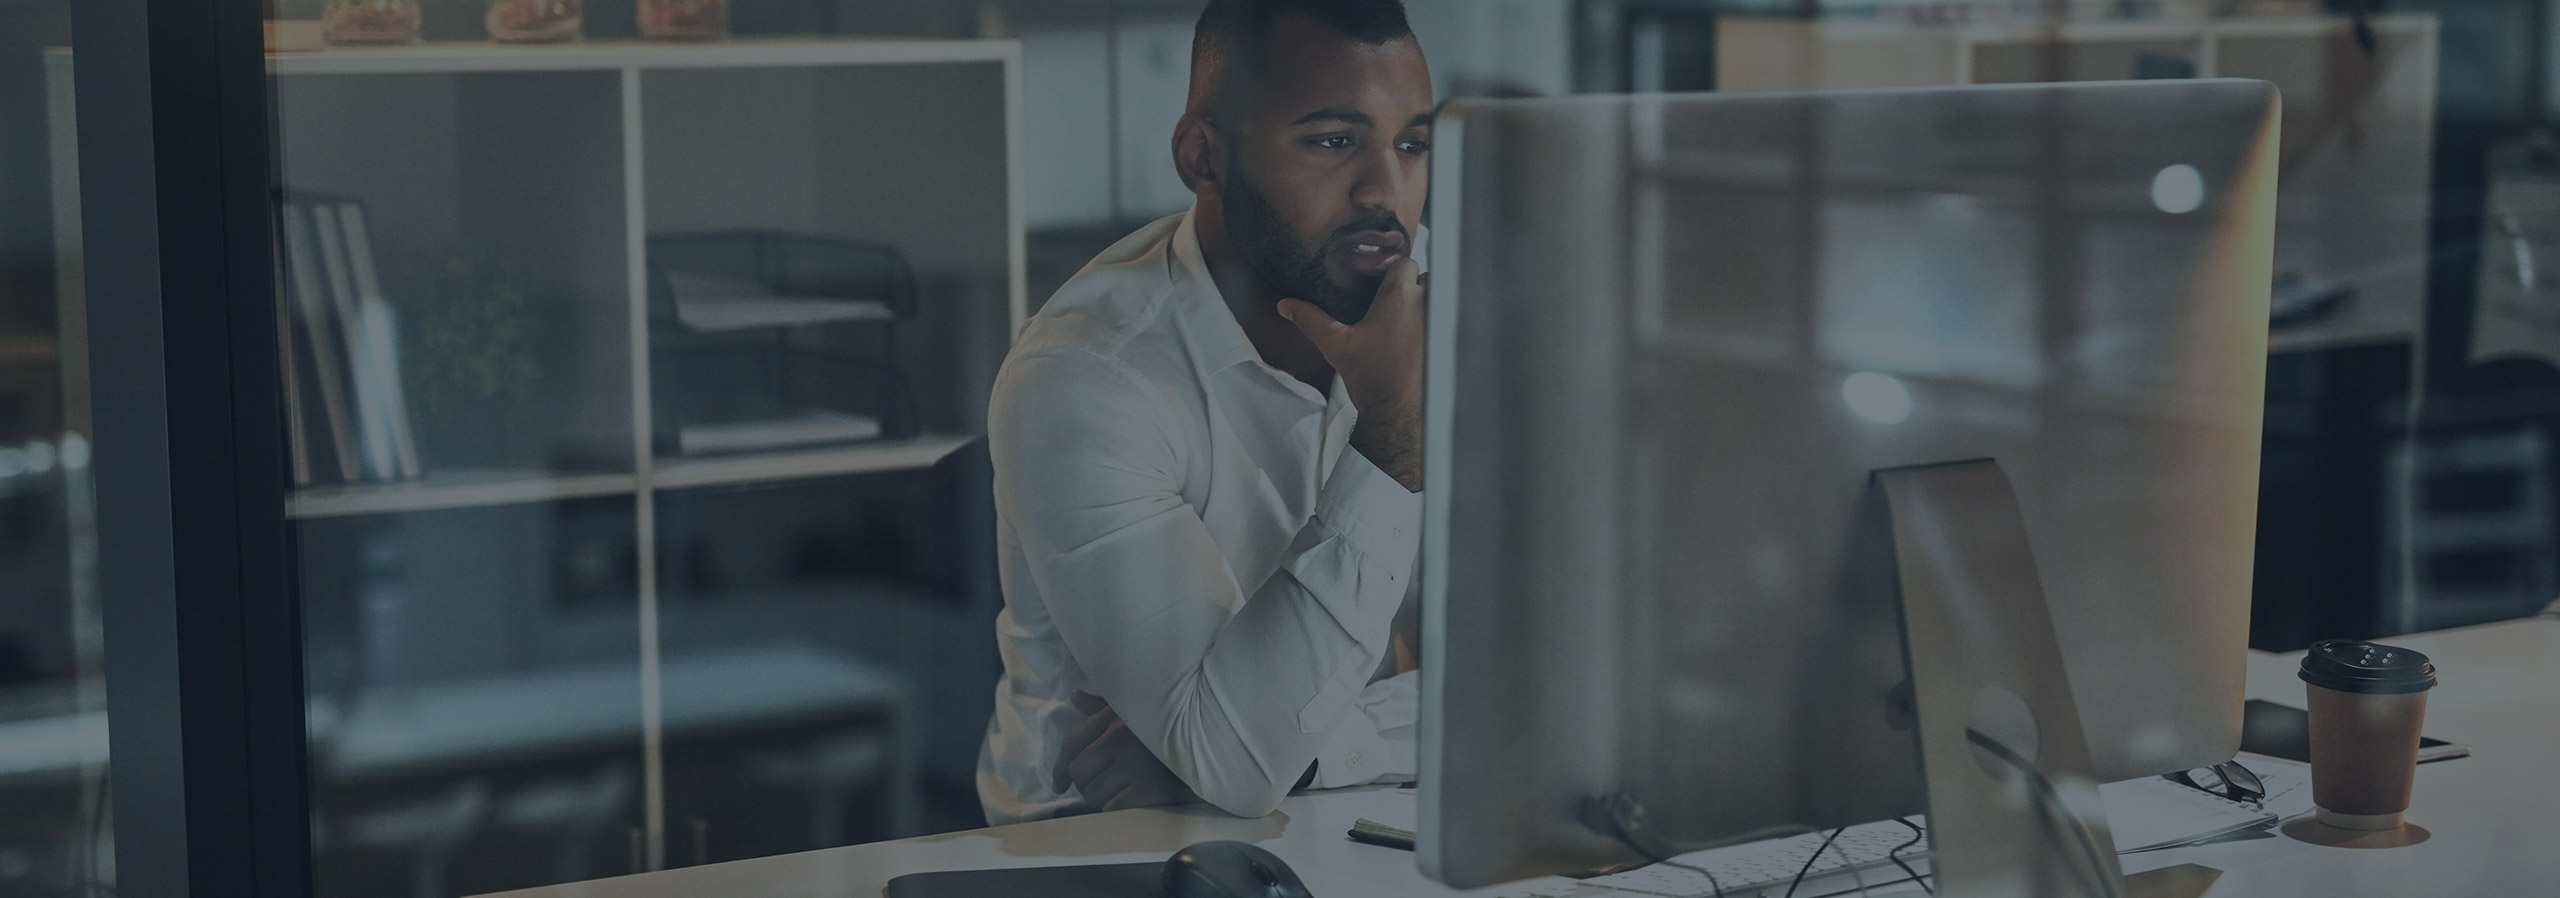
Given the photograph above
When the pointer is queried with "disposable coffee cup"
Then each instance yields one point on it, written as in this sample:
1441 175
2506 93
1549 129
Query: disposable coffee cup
2367 704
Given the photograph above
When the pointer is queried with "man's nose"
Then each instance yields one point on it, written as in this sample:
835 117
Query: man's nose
1380 179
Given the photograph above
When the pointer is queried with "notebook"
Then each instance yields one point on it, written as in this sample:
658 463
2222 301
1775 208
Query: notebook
2152 813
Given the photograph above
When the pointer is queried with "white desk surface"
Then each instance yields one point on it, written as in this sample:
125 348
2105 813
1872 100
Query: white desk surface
2494 818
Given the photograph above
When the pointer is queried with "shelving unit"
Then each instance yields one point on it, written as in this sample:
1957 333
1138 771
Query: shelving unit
532 543
685 83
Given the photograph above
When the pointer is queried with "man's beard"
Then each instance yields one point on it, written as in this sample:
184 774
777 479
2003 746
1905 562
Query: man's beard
1296 271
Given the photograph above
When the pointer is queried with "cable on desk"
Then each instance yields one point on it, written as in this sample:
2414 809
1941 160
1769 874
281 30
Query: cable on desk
1611 817
1810 858
1895 855
1649 857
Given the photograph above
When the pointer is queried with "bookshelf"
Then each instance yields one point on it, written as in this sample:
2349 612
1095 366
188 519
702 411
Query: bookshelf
551 529
636 126
631 127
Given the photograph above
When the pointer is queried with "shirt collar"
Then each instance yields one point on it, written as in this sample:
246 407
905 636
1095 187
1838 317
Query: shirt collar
1207 324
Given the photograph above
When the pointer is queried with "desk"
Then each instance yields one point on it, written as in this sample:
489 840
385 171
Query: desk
2491 815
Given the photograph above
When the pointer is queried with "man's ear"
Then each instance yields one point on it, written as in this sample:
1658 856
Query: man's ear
1198 154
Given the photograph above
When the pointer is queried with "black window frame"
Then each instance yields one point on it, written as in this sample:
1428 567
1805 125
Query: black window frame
204 653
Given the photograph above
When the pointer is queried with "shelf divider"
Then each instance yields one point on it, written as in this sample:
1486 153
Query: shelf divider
829 461
453 489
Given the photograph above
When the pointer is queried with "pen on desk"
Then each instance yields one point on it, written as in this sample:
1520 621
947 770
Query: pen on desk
1376 833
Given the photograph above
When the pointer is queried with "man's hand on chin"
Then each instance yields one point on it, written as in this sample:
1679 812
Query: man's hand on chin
1380 360
1107 764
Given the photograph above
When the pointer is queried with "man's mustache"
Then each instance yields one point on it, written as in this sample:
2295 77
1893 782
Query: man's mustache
1384 223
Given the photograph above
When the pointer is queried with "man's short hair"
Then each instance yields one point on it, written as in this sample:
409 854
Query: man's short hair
1226 47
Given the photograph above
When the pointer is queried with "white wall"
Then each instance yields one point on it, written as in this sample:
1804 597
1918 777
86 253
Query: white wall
1155 80
1483 46
1096 154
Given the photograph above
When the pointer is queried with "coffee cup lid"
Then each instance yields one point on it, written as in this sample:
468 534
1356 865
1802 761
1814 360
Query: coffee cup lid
2348 665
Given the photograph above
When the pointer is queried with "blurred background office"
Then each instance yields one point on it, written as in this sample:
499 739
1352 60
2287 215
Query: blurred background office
634 351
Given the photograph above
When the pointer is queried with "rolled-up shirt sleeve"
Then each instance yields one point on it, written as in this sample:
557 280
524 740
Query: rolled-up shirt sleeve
1236 705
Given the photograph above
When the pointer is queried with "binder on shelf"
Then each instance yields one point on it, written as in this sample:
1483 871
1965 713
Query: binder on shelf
321 339
351 334
382 338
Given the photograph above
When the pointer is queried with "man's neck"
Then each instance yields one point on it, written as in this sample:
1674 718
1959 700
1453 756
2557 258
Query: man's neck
1256 305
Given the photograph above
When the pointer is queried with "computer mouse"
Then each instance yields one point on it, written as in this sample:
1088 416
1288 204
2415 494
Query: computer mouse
1225 869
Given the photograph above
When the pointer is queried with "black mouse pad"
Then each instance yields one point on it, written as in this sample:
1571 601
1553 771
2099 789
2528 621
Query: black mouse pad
1085 881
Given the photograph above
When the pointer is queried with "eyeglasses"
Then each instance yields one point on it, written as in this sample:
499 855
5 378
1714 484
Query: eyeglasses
2227 779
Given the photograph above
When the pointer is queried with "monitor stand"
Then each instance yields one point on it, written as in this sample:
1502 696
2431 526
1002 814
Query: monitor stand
2012 797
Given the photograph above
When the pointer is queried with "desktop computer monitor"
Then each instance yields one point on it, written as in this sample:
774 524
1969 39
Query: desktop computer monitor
1672 336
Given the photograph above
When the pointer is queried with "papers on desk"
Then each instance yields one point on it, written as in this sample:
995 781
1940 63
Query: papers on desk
2152 813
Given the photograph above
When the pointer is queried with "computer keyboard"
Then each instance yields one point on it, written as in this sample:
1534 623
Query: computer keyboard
1859 858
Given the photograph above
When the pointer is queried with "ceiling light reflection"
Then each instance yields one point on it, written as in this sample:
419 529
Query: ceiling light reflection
1880 398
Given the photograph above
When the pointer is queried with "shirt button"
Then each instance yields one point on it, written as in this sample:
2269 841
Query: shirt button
1352 761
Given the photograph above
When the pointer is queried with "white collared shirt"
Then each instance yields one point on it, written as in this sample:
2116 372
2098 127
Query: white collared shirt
1185 531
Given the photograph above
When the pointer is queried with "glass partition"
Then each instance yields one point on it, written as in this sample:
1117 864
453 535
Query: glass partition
620 368
634 354
56 837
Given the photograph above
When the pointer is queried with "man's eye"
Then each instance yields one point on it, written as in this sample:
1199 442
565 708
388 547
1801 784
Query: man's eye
1334 141
1416 147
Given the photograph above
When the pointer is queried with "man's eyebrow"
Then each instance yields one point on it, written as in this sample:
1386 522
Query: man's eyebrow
1420 120
1343 114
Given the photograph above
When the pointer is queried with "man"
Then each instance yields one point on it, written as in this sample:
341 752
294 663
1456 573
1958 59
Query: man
1207 447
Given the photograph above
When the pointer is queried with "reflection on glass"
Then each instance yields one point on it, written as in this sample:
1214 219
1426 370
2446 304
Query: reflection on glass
475 707
626 374
618 373
1880 398
461 439
55 833
2411 377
